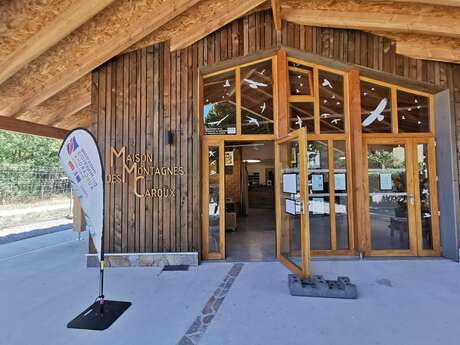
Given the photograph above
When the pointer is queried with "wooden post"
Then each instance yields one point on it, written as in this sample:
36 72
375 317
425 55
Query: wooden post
361 241
283 110
78 219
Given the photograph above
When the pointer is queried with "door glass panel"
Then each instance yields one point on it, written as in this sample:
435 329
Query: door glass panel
214 207
257 98
301 114
219 108
341 196
318 197
291 243
413 112
300 79
375 108
331 102
388 196
425 197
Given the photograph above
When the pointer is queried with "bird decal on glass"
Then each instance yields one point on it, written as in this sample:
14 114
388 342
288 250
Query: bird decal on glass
255 84
227 83
327 83
335 121
262 107
217 123
212 153
376 114
299 121
253 121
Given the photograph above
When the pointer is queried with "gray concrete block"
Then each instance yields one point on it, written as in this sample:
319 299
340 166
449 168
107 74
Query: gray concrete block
317 286
145 259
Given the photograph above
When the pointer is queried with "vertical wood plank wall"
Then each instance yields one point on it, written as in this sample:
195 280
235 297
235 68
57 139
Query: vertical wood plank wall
136 97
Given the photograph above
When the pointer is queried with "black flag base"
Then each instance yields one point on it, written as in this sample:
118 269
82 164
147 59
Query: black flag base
99 317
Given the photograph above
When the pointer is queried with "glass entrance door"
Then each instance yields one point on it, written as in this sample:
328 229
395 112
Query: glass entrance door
402 208
213 219
292 232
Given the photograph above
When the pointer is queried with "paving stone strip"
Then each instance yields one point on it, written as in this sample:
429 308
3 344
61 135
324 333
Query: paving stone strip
202 321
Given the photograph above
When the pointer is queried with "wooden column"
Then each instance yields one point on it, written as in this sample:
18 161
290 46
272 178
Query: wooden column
283 110
357 156
78 218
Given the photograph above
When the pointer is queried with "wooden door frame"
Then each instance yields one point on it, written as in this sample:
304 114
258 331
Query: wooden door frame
412 186
301 136
432 178
206 143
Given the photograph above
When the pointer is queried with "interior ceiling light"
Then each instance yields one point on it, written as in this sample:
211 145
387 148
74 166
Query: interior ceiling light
252 161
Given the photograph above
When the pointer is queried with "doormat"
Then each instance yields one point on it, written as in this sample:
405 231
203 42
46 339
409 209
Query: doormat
175 268
317 286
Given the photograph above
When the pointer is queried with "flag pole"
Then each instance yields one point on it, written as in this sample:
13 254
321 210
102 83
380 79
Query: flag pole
101 262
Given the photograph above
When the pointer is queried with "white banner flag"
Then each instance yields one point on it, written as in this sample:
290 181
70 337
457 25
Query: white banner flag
81 161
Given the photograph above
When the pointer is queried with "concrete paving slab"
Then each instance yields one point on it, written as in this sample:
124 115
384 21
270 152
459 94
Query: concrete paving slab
44 283
400 302
43 290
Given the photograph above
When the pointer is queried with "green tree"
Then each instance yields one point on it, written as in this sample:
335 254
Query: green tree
28 150
29 168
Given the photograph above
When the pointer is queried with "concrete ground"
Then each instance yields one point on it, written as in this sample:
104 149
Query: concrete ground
44 284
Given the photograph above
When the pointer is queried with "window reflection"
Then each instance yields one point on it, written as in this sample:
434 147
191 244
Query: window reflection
331 102
301 114
300 79
340 194
291 203
425 197
213 207
375 108
318 188
219 108
388 196
257 98
413 112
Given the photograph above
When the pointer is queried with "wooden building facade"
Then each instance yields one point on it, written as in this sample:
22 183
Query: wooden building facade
148 101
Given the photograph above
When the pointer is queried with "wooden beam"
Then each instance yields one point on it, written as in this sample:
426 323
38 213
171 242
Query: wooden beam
276 10
22 19
14 125
213 16
82 118
433 2
375 16
110 32
183 23
63 24
63 104
427 47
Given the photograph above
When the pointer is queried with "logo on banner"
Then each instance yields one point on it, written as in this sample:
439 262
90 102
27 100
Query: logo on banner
72 145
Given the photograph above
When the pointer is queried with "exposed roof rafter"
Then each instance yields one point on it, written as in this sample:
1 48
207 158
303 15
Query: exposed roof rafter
62 105
63 24
214 16
110 32
276 10
426 47
389 16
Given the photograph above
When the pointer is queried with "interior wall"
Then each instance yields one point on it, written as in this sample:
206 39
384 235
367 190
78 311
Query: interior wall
265 153
232 179
138 96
